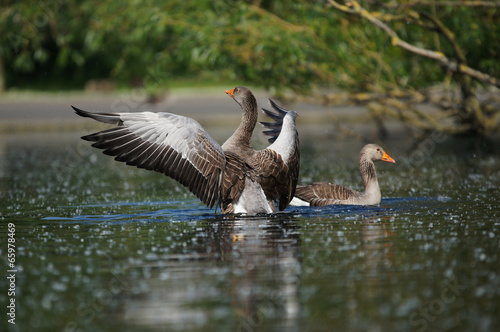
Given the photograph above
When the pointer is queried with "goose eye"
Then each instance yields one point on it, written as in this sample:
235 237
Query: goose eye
235 89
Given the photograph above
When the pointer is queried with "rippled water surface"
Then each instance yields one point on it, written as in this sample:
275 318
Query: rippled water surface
105 247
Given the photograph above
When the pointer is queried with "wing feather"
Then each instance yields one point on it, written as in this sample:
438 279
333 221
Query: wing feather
277 180
277 115
171 144
322 193
280 161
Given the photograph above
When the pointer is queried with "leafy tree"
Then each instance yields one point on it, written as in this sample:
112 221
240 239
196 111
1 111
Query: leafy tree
424 30
389 55
215 40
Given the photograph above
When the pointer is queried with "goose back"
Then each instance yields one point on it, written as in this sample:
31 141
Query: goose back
321 193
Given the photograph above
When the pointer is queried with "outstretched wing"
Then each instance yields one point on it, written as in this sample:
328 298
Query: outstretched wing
281 160
171 144
277 115
322 193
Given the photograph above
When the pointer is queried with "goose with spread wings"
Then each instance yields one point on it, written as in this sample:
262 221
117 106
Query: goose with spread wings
234 176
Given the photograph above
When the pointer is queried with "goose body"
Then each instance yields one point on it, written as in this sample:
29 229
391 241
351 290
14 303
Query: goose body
234 176
322 193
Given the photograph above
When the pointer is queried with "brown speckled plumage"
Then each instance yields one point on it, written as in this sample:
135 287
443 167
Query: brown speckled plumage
180 148
322 193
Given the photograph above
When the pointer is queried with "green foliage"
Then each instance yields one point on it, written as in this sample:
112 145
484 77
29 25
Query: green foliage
296 45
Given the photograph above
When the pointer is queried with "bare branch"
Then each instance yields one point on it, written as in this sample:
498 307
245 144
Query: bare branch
450 3
353 7
443 30
419 3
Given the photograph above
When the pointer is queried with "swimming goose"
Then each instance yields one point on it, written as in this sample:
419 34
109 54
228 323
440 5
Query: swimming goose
321 193
234 176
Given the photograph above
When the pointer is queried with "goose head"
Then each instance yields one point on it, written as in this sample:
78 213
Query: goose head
241 95
376 153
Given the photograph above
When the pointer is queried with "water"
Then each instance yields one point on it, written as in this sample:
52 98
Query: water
105 247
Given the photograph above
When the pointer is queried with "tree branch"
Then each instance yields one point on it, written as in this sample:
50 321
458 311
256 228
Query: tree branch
443 30
353 7
451 3
433 3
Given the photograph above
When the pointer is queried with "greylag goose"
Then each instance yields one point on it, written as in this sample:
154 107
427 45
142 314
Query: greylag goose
321 193
234 176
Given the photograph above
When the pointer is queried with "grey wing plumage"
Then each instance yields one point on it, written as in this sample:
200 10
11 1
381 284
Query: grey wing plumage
283 154
174 145
273 128
111 118
321 193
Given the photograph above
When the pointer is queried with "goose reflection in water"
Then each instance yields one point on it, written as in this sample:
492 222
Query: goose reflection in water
260 256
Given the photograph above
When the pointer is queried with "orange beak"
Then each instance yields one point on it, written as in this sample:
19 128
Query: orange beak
230 93
387 158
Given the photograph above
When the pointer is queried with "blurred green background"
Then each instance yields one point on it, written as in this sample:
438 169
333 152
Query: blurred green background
60 44
299 47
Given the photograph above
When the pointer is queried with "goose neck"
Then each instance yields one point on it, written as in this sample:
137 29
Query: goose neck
368 173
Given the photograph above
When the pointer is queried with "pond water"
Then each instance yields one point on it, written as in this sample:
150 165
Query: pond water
105 247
